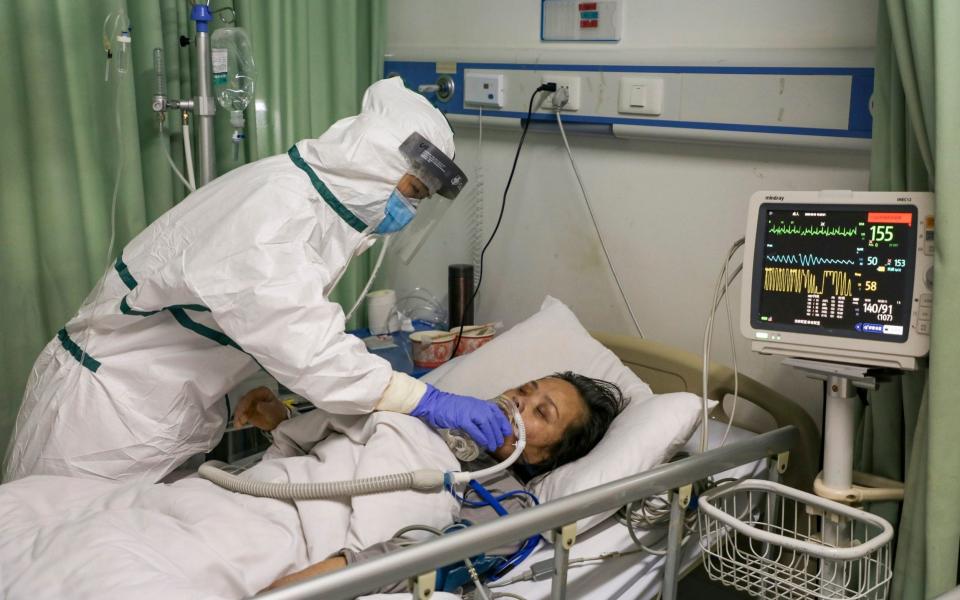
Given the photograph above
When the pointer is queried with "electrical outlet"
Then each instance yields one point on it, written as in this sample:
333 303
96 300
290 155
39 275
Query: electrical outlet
572 85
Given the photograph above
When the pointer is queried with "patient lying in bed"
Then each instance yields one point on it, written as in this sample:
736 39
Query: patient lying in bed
565 415
71 537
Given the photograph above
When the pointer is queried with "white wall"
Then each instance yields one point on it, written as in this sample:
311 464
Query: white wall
668 211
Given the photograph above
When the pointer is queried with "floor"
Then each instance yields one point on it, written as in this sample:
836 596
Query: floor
697 586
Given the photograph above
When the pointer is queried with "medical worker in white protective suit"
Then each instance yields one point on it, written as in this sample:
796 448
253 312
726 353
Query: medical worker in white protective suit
235 275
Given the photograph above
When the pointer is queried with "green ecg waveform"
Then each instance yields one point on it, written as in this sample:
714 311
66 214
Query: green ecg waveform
820 230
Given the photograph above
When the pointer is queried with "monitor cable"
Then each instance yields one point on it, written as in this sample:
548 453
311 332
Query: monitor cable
596 227
720 292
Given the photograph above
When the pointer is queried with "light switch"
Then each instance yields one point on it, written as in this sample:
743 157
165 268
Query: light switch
638 96
641 95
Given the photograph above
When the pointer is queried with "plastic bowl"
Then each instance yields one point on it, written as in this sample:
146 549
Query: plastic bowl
432 348
472 339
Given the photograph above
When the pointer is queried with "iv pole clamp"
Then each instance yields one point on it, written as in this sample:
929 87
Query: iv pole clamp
838 481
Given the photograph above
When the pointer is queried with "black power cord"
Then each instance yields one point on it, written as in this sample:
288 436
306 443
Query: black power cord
546 87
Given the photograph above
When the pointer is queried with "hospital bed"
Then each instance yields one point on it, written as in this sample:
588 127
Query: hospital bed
791 449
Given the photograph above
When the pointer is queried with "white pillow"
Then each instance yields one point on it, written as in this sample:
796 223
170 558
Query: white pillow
643 436
552 340
648 431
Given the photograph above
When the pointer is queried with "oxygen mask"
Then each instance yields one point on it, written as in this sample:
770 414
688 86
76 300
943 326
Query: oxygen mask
466 449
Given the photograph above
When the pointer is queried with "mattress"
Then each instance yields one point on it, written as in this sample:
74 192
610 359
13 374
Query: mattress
637 575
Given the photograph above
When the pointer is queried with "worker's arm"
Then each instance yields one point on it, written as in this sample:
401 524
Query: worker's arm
345 557
333 563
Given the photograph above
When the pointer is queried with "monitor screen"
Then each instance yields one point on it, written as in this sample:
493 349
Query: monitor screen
837 270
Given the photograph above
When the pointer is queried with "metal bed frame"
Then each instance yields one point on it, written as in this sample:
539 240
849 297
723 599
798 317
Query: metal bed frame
665 369
418 563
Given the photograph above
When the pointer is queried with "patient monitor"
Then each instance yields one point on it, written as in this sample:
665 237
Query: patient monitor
839 276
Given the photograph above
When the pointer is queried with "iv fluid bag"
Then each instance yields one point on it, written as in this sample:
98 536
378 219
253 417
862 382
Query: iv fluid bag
234 73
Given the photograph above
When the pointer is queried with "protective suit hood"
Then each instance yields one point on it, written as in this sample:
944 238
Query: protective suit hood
359 159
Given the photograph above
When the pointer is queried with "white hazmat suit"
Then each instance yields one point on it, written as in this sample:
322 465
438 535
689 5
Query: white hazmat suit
235 275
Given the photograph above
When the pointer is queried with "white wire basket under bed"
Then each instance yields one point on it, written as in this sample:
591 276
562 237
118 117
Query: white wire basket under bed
794 545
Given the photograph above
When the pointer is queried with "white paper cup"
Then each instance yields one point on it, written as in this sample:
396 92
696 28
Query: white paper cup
382 312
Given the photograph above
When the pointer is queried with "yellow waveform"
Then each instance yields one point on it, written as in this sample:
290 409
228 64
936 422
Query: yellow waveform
804 281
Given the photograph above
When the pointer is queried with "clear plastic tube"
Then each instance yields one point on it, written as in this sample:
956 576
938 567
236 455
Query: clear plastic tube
424 480
373 275
188 155
83 338
166 152
477 207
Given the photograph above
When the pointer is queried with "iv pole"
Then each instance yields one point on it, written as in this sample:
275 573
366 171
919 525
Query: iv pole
203 104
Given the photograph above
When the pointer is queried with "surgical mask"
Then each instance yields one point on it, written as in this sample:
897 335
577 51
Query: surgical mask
398 212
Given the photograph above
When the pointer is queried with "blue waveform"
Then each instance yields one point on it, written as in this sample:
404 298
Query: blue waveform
808 260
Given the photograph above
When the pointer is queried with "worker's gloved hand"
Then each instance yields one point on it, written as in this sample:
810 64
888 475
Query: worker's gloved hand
260 408
481 420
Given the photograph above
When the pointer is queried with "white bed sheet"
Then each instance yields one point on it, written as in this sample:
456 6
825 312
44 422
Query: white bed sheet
633 576
64 537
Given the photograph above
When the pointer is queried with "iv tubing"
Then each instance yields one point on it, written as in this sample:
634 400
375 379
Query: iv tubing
173 166
188 153
423 480
477 206
373 275
121 157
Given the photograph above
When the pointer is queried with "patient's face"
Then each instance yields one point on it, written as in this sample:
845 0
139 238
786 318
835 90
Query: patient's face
548 407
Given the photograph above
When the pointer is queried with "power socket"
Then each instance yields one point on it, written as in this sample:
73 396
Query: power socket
570 83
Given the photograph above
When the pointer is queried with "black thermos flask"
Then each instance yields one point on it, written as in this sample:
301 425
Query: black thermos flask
460 288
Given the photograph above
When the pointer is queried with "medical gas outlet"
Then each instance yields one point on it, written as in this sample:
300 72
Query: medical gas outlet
483 89
567 85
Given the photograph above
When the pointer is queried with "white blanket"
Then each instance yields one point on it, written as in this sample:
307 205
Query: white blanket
79 538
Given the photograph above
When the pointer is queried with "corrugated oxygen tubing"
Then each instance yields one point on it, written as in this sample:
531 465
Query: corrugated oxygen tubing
424 480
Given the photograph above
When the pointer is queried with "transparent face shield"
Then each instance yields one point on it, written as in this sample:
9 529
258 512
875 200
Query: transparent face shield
443 179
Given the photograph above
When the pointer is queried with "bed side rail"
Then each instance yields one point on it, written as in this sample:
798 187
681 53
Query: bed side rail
424 558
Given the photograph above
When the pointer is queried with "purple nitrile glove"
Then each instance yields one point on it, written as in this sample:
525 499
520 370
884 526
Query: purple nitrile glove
481 420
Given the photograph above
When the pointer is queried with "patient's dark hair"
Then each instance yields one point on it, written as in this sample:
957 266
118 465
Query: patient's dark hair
603 401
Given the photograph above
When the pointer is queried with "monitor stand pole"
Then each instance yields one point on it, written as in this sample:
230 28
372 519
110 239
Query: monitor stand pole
838 481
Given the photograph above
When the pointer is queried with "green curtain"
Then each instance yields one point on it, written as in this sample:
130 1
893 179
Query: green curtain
68 132
911 424
314 60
